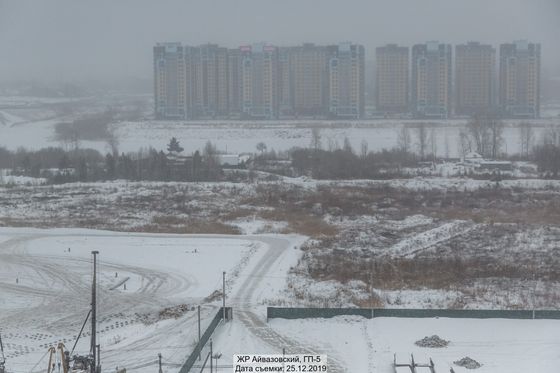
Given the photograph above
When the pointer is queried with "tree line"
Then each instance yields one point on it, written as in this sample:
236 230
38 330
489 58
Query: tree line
62 166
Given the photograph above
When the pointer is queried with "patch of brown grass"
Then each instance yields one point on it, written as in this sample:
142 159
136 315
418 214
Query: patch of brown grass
300 222
173 224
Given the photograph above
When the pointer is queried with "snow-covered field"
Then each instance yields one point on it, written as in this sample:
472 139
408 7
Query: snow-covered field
242 137
361 345
45 278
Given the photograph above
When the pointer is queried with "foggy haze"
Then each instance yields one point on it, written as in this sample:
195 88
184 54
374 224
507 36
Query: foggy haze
67 40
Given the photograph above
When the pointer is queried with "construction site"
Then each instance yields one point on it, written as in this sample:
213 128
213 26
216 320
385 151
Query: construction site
154 302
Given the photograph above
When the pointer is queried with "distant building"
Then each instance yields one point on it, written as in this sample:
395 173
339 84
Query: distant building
170 81
474 78
234 75
431 88
346 80
286 81
260 81
207 80
392 80
309 67
520 71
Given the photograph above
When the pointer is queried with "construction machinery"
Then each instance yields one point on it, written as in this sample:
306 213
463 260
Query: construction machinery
65 359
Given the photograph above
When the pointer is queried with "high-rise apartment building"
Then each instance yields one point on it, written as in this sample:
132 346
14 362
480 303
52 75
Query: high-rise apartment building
170 81
234 82
260 81
346 80
392 85
286 81
207 80
474 78
309 68
520 65
431 88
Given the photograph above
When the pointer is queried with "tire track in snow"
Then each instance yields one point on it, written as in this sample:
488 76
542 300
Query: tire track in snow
244 302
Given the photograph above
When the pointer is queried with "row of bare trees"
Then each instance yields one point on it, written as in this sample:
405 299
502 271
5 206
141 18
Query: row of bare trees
422 141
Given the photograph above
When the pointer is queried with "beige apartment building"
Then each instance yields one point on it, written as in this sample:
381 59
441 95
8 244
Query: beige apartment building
520 71
346 82
170 81
431 81
309 67
207 80
259 81
392 79
474 78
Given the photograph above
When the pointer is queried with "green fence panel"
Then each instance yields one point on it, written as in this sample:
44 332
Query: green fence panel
463 314
547 314
303 313
324 313
204 339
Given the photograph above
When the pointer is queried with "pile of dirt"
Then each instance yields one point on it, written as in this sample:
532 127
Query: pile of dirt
173 312
432 342
468 363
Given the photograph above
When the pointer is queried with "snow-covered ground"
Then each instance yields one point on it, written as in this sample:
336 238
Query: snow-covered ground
45 279
7 179
242 137
361 345
7 119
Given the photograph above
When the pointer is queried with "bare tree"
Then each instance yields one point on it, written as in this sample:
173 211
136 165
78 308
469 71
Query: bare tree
403 139
496 130
347 146
465 143
332 144
551 136
526 137
486 132
478 133
433 142
261 147
112 141
547 157
315 138
422 138
364 149
447 150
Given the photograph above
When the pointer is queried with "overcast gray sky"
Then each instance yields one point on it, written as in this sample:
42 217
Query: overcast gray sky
83 39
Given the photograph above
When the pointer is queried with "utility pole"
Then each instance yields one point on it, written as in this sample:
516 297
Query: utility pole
94 313
98 367
159 359
211 360
224 297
